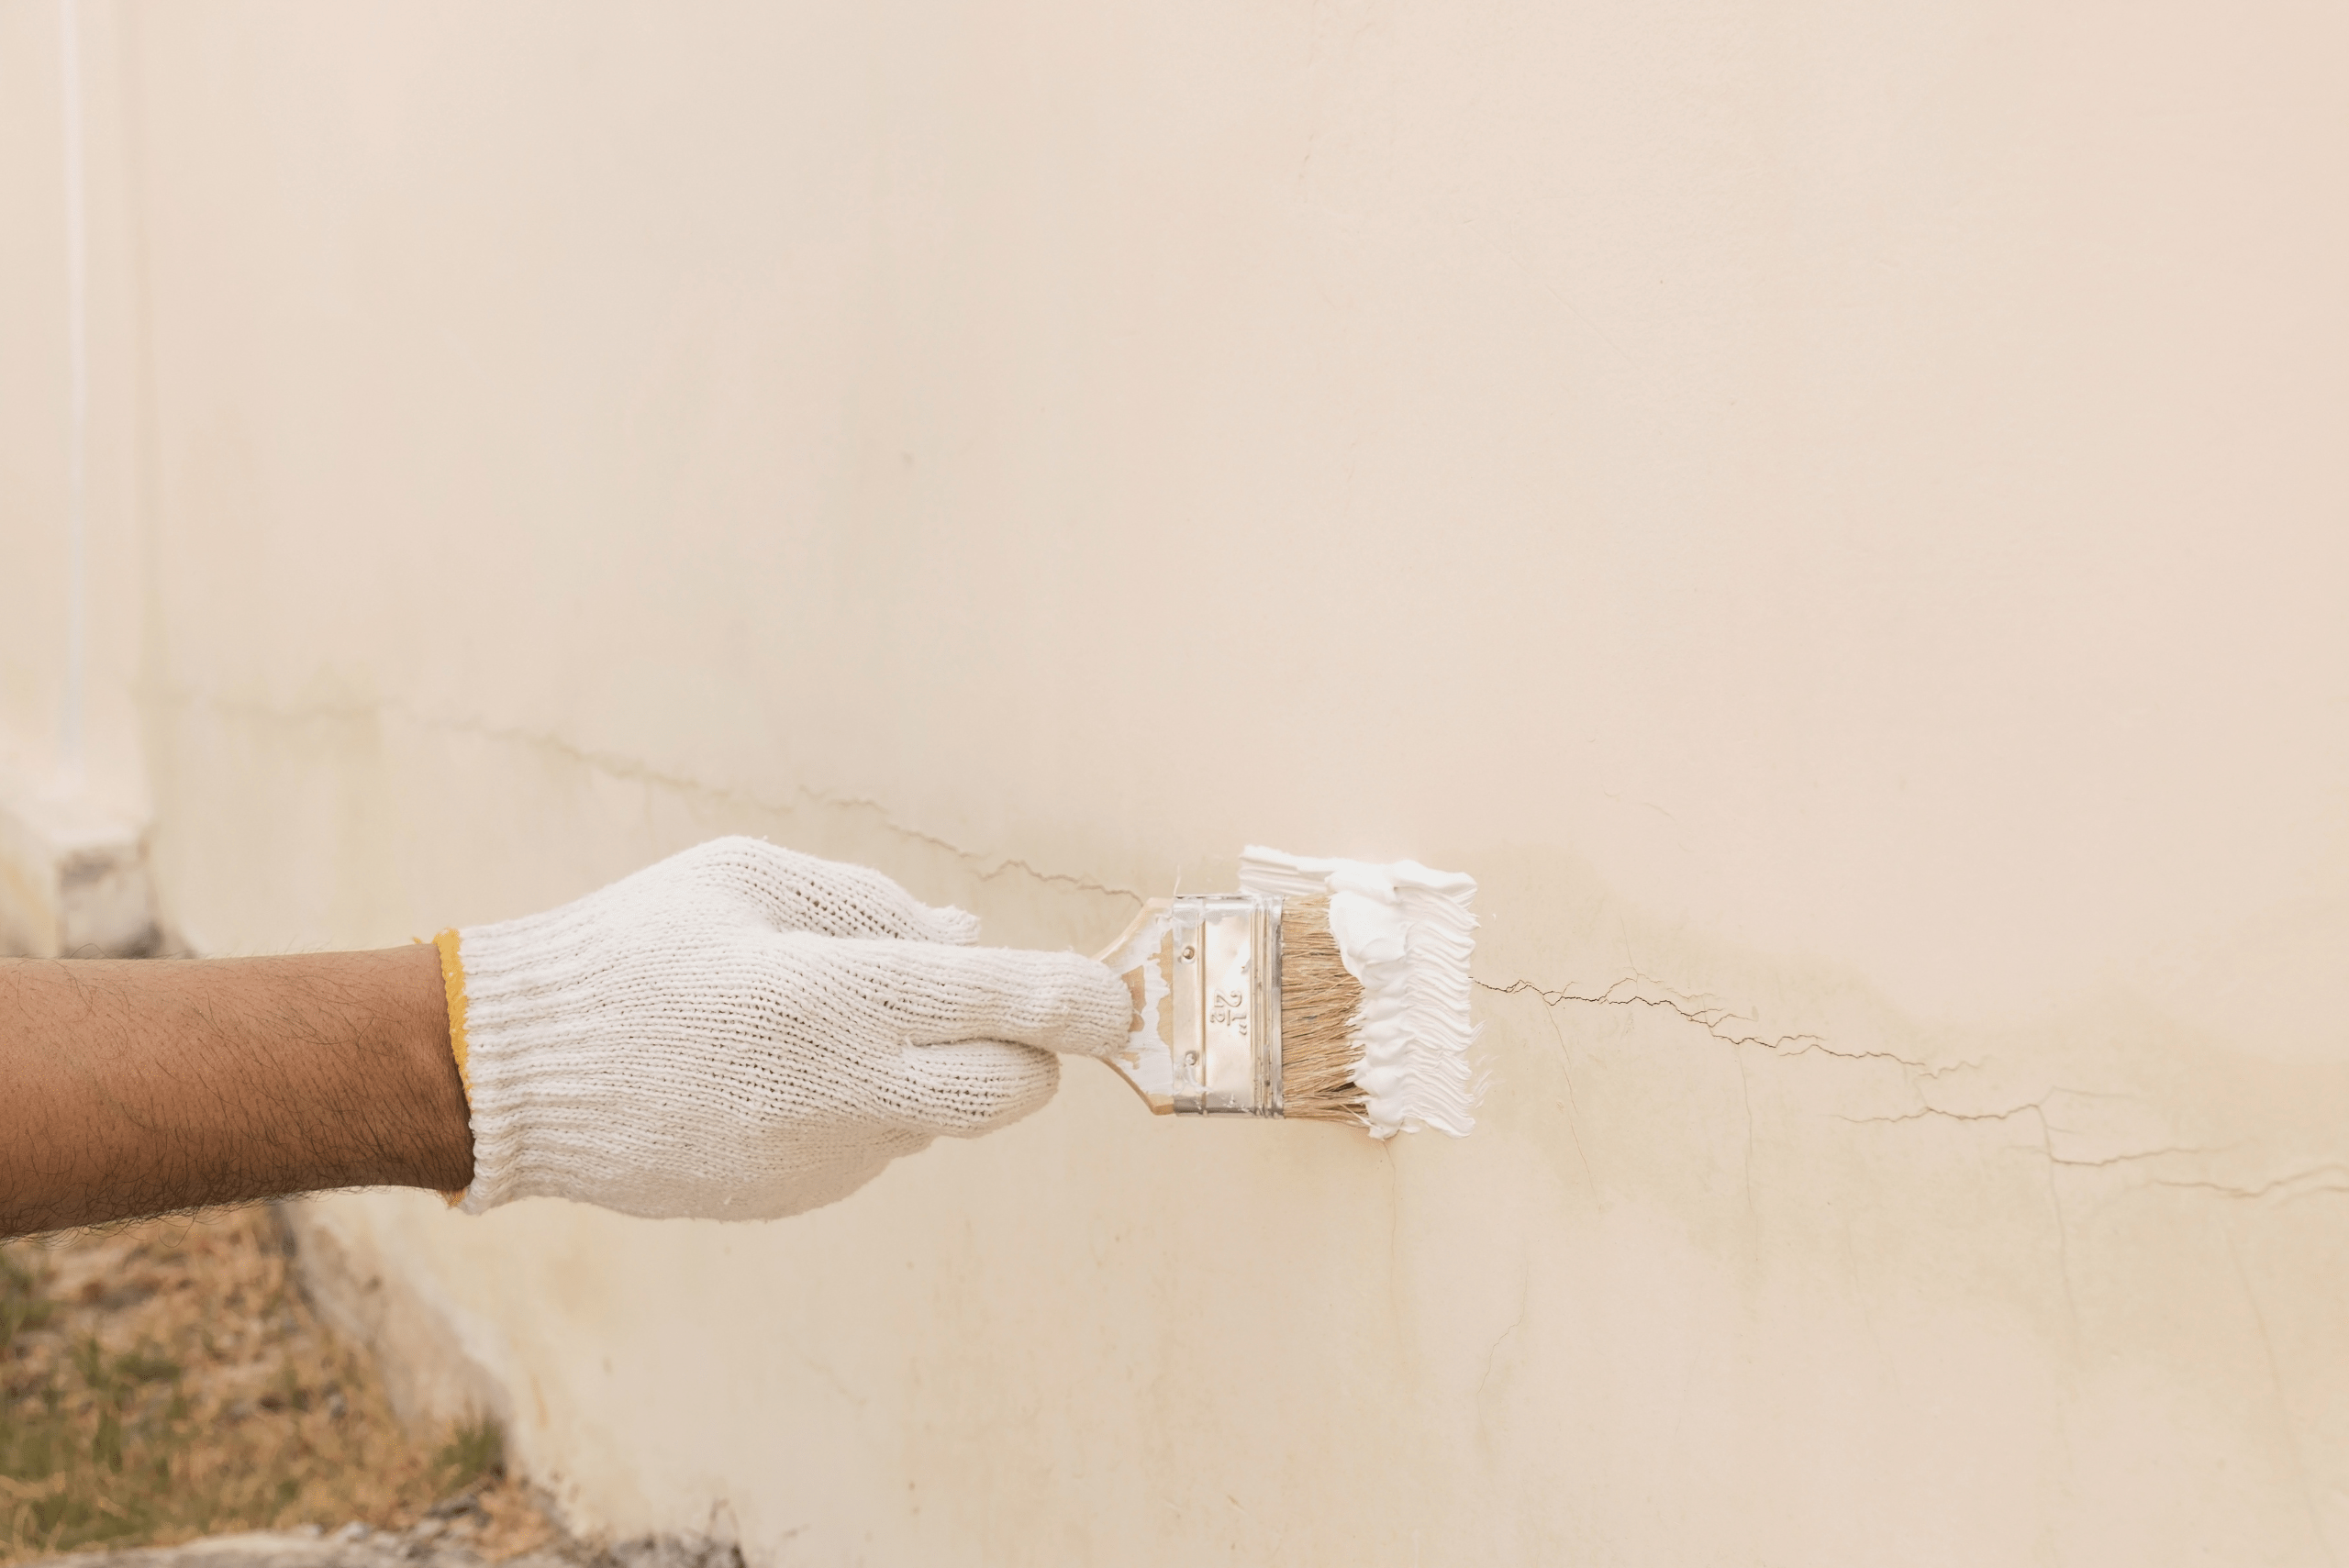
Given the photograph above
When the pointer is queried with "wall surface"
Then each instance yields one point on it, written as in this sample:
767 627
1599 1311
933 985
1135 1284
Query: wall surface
1835 515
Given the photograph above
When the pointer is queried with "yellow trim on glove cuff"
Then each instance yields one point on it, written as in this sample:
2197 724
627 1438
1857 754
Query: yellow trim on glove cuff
452 982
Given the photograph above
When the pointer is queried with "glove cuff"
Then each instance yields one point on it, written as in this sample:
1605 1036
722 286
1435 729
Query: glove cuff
453 986
523 1033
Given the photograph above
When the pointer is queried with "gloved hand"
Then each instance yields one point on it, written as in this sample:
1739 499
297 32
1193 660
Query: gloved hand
741 1032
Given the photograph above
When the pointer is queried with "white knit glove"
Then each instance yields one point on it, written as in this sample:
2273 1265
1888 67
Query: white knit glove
741 1032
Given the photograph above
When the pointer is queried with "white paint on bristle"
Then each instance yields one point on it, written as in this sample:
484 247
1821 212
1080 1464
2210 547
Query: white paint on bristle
1405 932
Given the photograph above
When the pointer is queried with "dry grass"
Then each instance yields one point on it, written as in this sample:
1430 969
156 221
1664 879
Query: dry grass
166 1380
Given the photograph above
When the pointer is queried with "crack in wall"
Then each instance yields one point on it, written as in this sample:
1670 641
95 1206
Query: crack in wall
617 766
1694 1008
1573 1104
1711 1020
1524 1303
2037 1110
2283 1403
1697 1009
2280 1183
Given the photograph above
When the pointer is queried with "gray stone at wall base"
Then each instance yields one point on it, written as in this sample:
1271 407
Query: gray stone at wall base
422 1547
73 880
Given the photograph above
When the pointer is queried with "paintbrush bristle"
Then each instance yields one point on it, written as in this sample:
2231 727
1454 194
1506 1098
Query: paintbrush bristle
1320 1020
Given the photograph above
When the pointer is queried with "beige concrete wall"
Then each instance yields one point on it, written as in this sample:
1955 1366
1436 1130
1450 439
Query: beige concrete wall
1834 514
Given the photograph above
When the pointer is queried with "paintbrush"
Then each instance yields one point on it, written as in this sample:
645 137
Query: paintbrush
1324 990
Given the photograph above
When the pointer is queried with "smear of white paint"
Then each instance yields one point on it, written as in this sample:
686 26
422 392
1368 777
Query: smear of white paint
1406 933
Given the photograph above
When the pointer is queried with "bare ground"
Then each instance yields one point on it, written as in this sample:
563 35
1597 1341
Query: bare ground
165 1380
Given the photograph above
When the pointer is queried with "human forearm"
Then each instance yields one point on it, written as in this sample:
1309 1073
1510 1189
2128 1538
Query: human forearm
132 1088
736 1032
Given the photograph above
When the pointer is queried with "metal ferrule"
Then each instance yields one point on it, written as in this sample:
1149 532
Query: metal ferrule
1226 1005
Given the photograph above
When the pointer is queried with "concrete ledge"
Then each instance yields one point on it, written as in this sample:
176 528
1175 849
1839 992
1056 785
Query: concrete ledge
440 1540
356 1291
74 878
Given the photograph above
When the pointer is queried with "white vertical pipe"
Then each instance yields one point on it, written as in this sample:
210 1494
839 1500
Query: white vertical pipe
71 752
